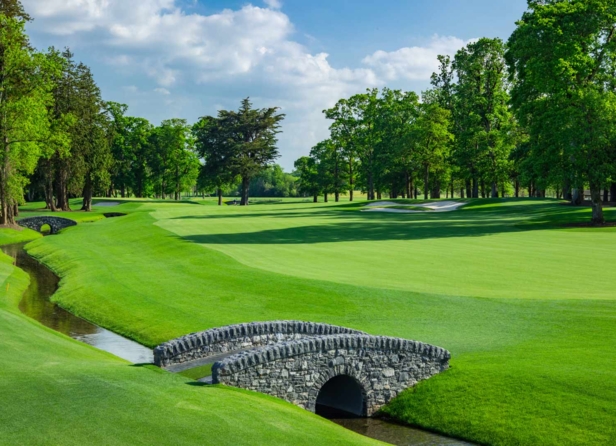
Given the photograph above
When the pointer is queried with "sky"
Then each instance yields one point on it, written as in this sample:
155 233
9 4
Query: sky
190 58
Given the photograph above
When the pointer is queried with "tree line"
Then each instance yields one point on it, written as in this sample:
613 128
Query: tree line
60 140
536 112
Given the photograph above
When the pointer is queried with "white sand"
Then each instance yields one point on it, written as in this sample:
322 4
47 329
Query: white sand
107 203
437 206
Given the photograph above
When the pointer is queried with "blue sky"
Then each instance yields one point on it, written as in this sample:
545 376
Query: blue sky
186 58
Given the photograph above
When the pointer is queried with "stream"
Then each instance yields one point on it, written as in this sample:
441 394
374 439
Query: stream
37 305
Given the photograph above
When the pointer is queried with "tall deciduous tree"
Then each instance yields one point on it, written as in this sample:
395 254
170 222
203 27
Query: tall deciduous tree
174 162
562 59
481 100
432 138
306 169
24 97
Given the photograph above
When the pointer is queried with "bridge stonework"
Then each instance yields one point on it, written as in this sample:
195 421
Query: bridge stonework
56 224
297 370
239 337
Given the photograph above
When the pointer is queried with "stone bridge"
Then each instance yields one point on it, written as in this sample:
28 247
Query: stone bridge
319 367
55 223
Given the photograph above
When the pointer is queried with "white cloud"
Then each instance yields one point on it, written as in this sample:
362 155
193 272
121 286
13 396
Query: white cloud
413 63
217 59
274 4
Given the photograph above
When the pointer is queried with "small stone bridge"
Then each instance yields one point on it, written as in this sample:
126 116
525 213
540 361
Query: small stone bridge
315 366
55 223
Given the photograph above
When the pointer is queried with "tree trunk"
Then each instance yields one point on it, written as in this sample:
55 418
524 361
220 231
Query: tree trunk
426 181
613 193
325 198
407 184
469 189
436 189
606 195
62 195
245 187
337 196
483 188
219 193
517 189
475 188
315 198
494 190
577 197
351 179
378 195
87 194
461 192
597 206
370 186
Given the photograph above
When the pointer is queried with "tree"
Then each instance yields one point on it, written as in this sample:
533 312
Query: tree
330 163
252 141
562 61
214 145
13 9
174 163
432 137
92 137
306 170
25 86
356 123
481 111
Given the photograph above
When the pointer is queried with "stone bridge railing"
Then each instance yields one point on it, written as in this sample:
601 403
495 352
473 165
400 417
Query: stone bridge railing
239 337
296 371
55 223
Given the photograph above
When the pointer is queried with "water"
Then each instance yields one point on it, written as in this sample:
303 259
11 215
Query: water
36 304
395 433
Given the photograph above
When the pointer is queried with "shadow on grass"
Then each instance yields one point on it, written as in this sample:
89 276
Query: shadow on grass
476 220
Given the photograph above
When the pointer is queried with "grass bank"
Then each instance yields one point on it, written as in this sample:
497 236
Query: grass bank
526 307
54 390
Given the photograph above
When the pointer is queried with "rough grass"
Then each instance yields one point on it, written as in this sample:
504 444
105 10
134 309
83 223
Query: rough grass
526 308
54 390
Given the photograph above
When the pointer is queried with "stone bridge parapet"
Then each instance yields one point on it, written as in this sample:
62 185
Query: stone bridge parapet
55 223
298 371
239 337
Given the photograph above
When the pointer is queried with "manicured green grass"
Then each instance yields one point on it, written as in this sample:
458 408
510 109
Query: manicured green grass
526 307
54 390
35 209
11 236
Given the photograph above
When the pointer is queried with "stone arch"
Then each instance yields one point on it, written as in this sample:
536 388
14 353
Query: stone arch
297 370
240 337
56 224
343 392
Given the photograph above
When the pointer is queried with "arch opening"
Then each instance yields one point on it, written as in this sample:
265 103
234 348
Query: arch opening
341 397
45 229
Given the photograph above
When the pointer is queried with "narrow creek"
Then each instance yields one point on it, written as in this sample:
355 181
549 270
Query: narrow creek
37 305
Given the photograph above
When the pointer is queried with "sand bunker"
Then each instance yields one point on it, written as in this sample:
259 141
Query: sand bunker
107 203
437 206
